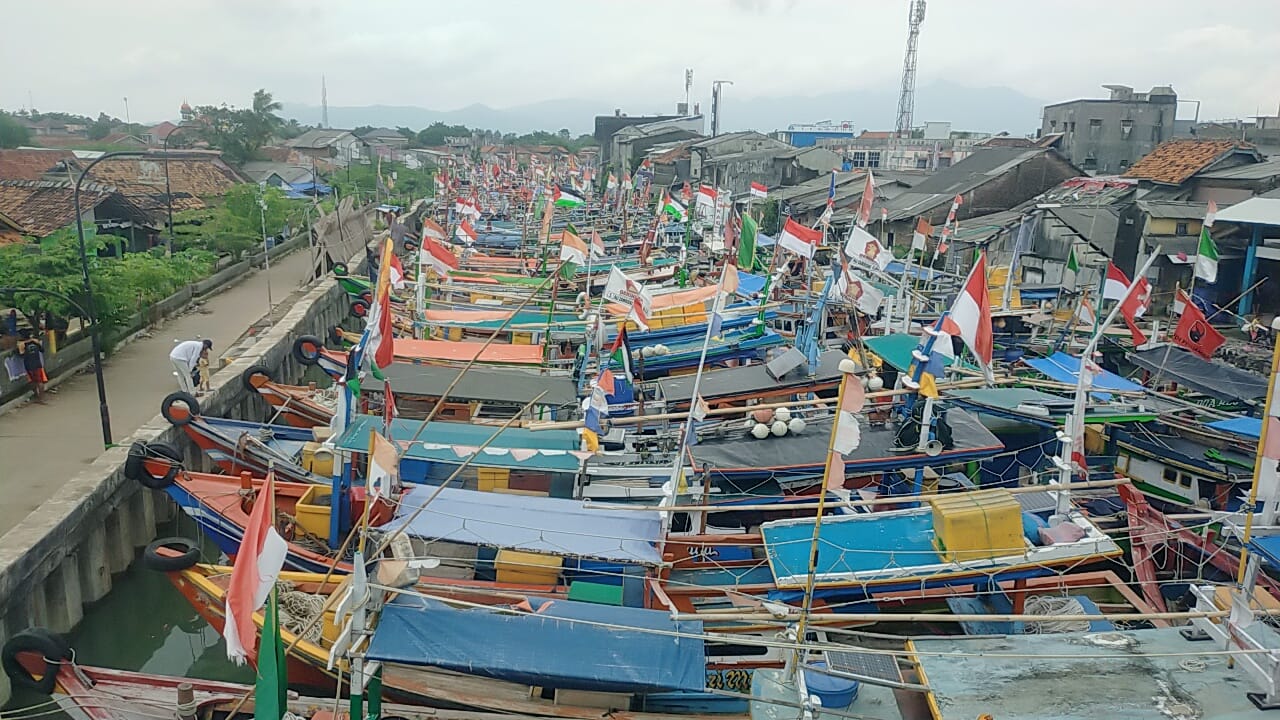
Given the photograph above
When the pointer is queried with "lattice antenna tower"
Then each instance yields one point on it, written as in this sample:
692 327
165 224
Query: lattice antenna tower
907 95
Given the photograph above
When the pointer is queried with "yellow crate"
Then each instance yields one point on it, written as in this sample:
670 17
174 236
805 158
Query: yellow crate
492 479
521 338
516 566
977 525
312 511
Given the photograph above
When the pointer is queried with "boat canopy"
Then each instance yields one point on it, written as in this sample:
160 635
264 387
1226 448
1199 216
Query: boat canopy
509 386
1016 403
749 284
567 528
667 301
356 437
1249 427
747 379
562 644
408 349
493 319
895 349
1217 380
739 452
1065 368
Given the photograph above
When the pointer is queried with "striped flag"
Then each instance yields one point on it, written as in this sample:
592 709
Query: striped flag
970 316
572 249
921 236
258 563
465 232
868 197
759 191
384 465
437 257
830 209
799 239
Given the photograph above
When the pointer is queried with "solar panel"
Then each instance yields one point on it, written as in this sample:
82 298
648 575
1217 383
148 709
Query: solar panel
1036 502
878 666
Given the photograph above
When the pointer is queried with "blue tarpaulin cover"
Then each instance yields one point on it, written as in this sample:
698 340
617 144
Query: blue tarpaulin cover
749 284
1245 426
611 651
1066 369
536 524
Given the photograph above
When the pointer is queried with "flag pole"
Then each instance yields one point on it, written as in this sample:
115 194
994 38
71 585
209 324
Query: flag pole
1075 420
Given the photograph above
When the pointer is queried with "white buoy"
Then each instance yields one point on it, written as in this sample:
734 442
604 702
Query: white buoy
875 382
661 349
779 428
848 366
796 426
782 413
760 431
747 425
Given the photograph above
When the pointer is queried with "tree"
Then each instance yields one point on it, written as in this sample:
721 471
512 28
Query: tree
102 127
12 133
435 133
264 121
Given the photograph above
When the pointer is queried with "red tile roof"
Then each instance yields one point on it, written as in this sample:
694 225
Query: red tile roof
41 207
192 177
875 135
30 164
1175 161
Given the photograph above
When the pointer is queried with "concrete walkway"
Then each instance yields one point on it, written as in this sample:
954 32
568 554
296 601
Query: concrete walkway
41 446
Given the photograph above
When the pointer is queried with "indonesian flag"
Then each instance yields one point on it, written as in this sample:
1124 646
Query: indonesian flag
397 273
597 244
437 257
572 249
380 337
1134 301
799 239
384 467
868 197
432 229
758 190
921 236
970 316
612 182
258 562
465 232
706 198
622 289
1113 288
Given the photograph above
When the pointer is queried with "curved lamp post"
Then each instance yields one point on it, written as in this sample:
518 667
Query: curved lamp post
168 194
97 354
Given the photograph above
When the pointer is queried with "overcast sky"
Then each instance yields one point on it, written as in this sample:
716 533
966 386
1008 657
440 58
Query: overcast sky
86 56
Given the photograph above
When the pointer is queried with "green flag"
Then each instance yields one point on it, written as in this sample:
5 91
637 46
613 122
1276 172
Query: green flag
747 244
271 687
1073 264
1207 257
568 269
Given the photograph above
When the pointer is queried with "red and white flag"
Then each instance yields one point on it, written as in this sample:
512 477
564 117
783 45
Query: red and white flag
706 202
970 316
868 197
759 191
799 239
1115 284
432 229
1134 299
597 244
921 236
437 257
465 232
397 273
258 563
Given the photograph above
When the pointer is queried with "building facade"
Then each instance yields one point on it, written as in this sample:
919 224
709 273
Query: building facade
1107 136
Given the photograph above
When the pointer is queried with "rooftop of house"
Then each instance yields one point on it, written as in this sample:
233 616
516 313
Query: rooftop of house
260 170
1176 161
974 171
42 207
317 138
31 163
1254 171
10 232
162 131
382 134
1102 190
191 176
1174 209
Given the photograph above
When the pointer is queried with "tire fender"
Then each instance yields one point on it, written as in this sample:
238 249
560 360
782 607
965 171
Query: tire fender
193 408
359 309
182 554
246 377
306 349
50 645
340 269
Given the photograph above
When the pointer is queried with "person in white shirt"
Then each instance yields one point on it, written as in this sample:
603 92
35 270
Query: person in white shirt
185 356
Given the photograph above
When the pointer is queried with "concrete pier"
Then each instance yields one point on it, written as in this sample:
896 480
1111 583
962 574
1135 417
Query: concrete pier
64 553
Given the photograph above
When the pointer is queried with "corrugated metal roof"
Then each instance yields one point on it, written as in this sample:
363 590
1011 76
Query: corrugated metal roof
1256 171
1174 209
976 169
1263 210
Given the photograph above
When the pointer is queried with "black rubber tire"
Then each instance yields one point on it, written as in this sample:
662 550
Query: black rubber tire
249 374
157 450
133 469
359 309
193 406
337 335
340 269
306 349
52 646
411 246
367 297
152 558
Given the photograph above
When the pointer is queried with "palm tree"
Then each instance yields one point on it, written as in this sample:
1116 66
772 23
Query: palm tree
265 107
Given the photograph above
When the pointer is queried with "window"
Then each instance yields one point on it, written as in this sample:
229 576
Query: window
1053 126
1090 163
1095 127
1126 127
922 162
859 159
1184 480
873 159
1180 229
1170 475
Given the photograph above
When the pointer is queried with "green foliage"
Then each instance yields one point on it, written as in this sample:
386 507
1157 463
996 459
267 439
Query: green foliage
363 179
770 223
121 286
12 132
240 132
236 226
435 133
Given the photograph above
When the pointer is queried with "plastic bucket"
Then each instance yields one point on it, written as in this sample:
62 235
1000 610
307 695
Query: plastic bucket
833 692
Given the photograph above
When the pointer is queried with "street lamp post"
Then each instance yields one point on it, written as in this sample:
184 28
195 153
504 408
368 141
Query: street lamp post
97 355
168 194
96 334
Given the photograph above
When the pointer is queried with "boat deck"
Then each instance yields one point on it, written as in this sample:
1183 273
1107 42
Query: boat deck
1136 675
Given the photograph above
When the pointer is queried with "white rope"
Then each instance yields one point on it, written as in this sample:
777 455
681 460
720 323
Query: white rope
1049 606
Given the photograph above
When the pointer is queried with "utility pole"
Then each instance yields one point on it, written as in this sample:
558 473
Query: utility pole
715 105
127 121
688 87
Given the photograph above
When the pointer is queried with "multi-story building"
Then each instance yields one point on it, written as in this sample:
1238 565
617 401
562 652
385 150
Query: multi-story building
1107 136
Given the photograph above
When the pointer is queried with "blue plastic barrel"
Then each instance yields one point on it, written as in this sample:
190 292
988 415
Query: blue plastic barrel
834 692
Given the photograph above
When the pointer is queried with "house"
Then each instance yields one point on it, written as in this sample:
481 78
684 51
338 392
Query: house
195 178
156 134
280 175
988 181
384 137
807 200
632 142
10 231
34 163
808 135
1109 135
1171 167
705 154
124 141
933 146
39 208
1259 218
607 125
337 146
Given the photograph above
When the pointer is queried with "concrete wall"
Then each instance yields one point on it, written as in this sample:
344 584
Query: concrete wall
1106 137
65 553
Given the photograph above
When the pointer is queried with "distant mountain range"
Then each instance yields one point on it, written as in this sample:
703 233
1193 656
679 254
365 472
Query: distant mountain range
991 109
